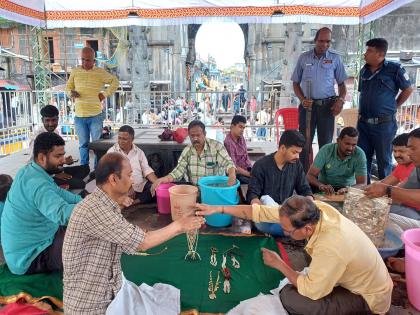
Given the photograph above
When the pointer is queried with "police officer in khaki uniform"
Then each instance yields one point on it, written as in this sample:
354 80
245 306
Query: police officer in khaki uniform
313 79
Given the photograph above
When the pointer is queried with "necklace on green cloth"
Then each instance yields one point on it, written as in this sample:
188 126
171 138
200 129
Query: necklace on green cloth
192 241
151 254
213 287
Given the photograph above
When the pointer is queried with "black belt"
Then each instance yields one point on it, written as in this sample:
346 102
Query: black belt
324 101
377 120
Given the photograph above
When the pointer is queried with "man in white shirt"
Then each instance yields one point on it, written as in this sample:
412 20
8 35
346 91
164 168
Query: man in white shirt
262 119
143 175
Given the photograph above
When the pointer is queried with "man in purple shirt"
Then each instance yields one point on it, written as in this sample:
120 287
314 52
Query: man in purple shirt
236 147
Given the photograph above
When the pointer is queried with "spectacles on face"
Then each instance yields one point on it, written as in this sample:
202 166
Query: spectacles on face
289 233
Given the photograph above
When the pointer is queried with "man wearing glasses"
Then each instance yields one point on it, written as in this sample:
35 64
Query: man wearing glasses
380 83
346 274
314 77
87 86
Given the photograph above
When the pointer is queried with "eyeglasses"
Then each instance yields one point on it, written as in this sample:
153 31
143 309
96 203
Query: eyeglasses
286 203
289 233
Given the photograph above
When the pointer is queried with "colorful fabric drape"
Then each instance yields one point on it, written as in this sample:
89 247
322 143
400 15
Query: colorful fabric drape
97 13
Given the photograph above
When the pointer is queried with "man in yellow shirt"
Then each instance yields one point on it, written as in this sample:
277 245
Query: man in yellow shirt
346 274
87 86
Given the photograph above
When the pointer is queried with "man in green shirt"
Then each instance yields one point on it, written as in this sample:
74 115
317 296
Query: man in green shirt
338 165
36 211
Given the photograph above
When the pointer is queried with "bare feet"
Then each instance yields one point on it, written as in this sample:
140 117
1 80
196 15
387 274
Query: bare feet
396 264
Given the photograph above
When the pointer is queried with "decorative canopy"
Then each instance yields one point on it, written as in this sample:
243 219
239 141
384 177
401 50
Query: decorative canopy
101 13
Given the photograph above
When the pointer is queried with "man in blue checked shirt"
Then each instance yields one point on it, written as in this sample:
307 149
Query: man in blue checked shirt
380 82
313 79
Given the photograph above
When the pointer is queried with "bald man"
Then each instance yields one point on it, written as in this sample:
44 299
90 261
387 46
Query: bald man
86 86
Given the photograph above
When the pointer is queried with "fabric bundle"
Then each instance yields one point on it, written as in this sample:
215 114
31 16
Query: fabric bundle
370 215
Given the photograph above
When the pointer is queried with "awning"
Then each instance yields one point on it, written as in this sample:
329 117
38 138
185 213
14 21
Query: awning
13 85
98 13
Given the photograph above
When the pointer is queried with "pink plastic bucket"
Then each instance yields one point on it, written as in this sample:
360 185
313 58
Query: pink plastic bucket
163 198
411 239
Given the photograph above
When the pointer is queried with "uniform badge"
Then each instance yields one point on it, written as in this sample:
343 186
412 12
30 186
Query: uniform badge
327 61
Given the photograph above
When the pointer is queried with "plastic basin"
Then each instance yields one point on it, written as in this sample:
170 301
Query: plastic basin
411 240
214 191
183 200
163 198
393 244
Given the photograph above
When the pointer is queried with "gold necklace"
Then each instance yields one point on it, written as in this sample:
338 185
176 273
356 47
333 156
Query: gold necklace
213 287
153 254
192 241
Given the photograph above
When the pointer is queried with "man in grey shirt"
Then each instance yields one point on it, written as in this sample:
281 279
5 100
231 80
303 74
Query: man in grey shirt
405 198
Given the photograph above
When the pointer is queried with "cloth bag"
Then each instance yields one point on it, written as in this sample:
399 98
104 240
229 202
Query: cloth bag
180 134
266 304
146 300
370 215
167 135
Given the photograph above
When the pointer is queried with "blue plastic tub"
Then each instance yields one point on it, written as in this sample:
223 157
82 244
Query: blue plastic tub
393 243
218 196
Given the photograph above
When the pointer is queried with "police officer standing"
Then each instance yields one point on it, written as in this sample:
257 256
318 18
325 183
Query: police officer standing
313 83
379 84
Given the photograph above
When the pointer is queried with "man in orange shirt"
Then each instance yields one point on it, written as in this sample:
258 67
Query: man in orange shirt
405 164
406 196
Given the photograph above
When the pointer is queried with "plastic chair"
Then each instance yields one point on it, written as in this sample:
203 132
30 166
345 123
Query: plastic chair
290 117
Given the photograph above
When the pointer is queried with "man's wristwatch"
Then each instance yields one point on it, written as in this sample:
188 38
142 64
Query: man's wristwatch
389 191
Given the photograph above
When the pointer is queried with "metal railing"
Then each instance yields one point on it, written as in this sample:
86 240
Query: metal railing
19 112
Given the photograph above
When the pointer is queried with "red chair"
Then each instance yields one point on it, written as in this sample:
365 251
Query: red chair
290 117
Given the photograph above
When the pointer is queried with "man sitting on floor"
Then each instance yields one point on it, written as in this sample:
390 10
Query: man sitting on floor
235 145
143 175
406 196
278 176
346 274
338 165
98 234
73 175
36 210
404 166
5 184
203 157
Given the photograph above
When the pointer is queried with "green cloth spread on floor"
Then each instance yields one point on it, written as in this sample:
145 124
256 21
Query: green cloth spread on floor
191 277
36 285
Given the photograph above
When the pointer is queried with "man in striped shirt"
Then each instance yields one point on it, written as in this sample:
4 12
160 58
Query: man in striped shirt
87 86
